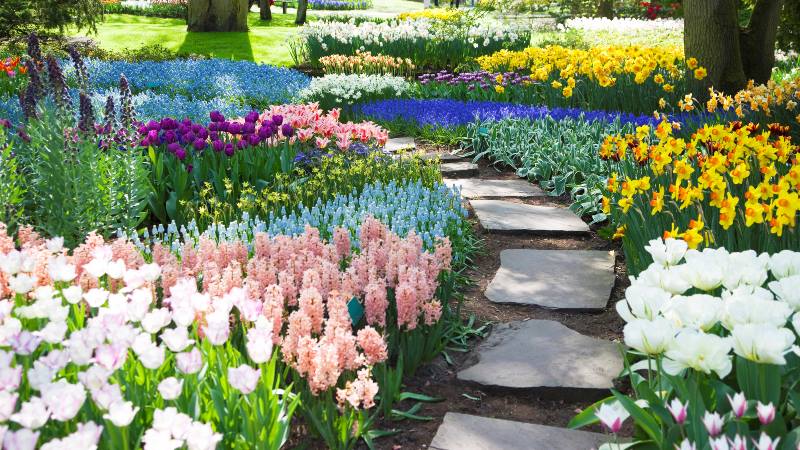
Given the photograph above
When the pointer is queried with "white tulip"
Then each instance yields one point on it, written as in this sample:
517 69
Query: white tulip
787 289
744 309
698 311
785 264
649 336
762 343
170 388
121 413
32 414
176 339
702 352
671 279
642 302
746 268
667 252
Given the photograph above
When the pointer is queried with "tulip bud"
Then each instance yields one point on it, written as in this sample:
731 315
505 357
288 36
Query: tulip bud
678 410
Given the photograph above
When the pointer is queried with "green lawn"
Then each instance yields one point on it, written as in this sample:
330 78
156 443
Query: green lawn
266 42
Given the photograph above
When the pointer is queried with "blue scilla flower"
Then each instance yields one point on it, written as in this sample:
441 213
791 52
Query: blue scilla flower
201 79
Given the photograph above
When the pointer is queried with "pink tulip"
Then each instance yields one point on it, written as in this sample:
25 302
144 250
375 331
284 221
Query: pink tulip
611 416
713 423
678 410
766 413
738 404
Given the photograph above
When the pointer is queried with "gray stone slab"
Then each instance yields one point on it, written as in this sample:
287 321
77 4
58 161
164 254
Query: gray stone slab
502 216
569 279
443 157
459 169
400 143
474 188
467 432
544 355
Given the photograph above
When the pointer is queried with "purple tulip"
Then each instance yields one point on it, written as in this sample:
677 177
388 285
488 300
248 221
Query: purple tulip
170 136
251 117
217 145
277 119
287 130
189 168
199 144
229 149
217 116
186 121
234 128
153 125
181 153
202 133
152 136
253 140
265 132
241 144
174 147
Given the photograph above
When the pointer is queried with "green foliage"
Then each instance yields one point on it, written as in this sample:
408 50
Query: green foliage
20 17
562 155
303 186
789 28
12 187
75 187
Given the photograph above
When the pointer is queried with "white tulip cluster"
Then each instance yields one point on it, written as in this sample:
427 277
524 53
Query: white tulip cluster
349 89
698 308
394 31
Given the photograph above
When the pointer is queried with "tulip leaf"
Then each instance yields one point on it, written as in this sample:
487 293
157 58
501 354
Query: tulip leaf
642 418
759 381
587 416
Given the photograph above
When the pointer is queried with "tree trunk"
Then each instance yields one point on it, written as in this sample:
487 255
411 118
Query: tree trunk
758 40
711 34
265 13
302 6
217 15
606 9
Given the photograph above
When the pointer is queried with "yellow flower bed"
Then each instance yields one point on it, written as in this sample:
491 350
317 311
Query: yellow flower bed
602 64
447 15
729 185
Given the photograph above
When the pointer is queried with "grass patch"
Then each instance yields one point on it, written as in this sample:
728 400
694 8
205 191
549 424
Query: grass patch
266 42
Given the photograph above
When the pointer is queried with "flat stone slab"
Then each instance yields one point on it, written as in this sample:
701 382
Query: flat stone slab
545 355
459 169
568 279
444 157
502 216
400 143
472 188
467 432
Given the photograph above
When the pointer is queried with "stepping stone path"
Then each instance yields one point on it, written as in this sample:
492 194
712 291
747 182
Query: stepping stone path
475 188
401 143
543 357
443 157
544 354
466 432
574 279
459 169
503 216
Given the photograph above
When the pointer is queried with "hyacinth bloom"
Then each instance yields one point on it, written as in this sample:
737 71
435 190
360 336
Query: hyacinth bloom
292 292
447 113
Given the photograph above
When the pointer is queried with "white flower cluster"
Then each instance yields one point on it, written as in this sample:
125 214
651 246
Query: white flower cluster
623 24
349 89
671 308
391 32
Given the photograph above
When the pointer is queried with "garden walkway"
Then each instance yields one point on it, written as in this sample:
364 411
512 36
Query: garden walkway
533 356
